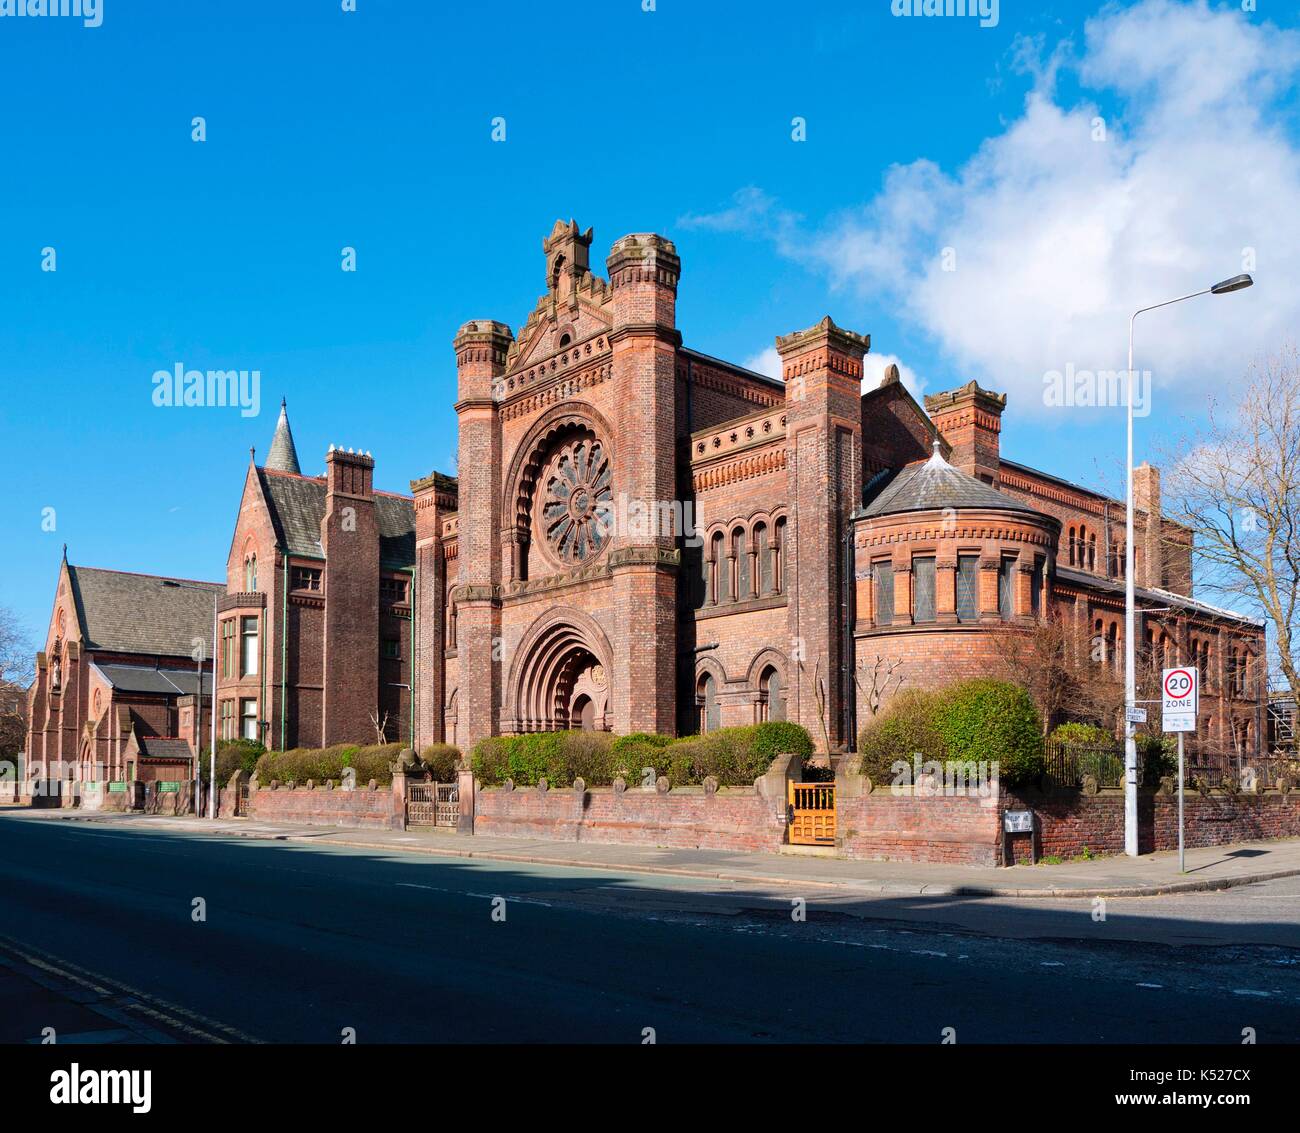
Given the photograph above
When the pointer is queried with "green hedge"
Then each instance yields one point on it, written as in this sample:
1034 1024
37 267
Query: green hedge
993 722
235 755
903 730
734 756
969 723
1082 734
370 761
441 761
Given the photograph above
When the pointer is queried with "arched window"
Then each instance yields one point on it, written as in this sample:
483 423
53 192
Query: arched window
744 573
250 573
778 556
1092 552
1072 546
763 556
773 701
721 583
706 699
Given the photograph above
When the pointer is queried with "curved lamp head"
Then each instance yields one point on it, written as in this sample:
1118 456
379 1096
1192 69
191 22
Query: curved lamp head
1236 283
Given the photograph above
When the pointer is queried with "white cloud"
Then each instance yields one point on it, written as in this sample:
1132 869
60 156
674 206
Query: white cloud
873 373
1057 238
765 362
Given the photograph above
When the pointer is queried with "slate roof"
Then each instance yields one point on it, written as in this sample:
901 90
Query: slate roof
934 484
169 682
1153 594
156 747
136 613
297 506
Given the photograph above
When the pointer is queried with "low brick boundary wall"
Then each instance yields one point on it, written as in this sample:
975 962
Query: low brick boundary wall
733 818
1070 822
959 829
377 809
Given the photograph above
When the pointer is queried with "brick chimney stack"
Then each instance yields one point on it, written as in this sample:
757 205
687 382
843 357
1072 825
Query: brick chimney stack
349 536
1149 571
970 420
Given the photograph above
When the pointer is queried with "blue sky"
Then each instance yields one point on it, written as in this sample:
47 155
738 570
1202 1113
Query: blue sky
372 129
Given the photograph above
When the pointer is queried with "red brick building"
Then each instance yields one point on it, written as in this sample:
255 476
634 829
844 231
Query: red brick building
117 690
646 538
315 643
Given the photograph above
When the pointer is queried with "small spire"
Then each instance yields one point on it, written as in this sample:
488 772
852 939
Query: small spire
283 456
936 457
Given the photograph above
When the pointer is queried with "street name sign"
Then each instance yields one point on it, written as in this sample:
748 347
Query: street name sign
1018 821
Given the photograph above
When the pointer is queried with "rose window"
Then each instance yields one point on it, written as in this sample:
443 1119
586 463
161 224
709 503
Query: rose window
576 501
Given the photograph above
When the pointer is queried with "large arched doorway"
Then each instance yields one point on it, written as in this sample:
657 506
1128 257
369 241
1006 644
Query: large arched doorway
561 682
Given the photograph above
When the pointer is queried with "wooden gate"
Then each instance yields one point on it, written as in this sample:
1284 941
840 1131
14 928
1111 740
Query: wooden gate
241 800
811 813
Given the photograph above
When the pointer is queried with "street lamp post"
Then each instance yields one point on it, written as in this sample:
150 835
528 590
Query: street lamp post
1236 283
212 709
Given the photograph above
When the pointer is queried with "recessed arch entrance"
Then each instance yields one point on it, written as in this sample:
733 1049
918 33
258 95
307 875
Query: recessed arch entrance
560 676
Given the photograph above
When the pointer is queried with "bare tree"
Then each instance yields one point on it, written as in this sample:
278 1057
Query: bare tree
878 681
1236 485
17 667
17 655
1072 674
380 725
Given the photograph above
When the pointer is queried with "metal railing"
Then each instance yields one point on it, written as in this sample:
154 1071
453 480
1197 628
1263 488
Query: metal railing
1069 763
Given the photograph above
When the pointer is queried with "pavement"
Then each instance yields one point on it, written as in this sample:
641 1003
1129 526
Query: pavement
1150 875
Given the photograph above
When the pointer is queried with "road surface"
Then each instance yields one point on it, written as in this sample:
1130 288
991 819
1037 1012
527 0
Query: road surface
127 931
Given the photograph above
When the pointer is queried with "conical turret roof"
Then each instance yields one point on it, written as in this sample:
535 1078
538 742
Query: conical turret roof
934 484
283 456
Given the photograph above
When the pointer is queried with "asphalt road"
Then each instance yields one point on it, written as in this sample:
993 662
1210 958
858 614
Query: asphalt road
300 942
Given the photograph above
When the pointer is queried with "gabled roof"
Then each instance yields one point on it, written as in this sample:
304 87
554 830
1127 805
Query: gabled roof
297 506
160 747
137 613
934 484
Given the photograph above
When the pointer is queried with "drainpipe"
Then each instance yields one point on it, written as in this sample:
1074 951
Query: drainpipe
414 571
284 637
850 658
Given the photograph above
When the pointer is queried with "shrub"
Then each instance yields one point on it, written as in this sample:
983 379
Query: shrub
236 755
583 755
1082 734
627 759
441 761
320 763
1158 755
682 761
992 721
780 737
374 761
490 760
904 729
